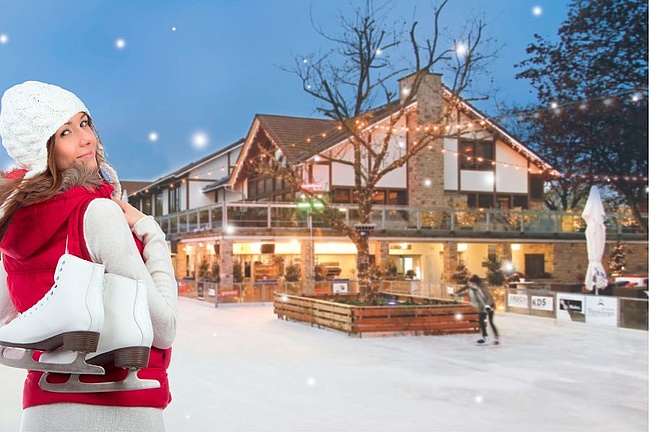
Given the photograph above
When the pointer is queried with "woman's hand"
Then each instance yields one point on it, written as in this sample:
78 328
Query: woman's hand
132 214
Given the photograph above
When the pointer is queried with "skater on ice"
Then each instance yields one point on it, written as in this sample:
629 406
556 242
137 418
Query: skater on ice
87 291
480 296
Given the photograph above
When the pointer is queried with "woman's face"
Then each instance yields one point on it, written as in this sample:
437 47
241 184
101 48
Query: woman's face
75 143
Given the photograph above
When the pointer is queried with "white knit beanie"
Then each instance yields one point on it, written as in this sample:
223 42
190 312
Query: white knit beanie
30 114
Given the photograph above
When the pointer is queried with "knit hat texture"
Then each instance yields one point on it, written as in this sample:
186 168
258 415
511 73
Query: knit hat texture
30 113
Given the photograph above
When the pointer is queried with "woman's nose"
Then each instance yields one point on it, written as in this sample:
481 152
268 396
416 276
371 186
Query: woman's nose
86 138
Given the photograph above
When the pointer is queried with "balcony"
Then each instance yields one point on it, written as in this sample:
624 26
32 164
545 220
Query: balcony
248 218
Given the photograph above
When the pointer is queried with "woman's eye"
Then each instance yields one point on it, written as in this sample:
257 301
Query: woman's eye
65 132
84 123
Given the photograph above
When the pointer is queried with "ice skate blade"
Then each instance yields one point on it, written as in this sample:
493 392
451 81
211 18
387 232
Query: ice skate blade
130 383
78 366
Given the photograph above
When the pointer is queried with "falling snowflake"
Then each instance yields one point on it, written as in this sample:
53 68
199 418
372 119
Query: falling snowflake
200 140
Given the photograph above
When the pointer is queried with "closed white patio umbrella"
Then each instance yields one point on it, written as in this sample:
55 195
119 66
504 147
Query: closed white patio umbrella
594 215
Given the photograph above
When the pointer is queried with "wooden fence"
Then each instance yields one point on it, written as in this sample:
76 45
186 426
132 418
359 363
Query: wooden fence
403 315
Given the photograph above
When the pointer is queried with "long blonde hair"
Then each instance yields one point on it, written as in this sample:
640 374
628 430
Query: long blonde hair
18 192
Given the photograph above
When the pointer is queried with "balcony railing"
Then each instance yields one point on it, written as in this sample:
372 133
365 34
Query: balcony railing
280 216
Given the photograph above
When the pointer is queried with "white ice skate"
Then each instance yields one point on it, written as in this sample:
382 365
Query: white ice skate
125 340
70 316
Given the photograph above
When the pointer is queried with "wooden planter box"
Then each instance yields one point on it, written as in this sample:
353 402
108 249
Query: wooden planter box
431 316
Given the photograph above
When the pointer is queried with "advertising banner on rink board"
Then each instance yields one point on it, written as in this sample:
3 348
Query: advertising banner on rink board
543 303
570 307
602 310
518 300
340 286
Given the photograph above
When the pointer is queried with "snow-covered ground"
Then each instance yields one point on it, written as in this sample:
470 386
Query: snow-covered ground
239 368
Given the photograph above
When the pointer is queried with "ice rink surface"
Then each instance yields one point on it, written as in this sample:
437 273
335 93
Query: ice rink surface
239 368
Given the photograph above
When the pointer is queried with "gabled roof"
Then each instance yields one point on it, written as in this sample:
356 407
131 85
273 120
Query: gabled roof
301 138
290 133
189 167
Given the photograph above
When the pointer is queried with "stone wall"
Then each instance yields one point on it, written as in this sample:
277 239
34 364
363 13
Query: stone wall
636 257
569 261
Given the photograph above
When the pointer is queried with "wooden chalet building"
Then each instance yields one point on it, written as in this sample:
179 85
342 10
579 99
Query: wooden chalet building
474 193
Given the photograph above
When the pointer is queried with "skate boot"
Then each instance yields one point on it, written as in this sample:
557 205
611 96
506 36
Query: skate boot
125 340
70 316
482 341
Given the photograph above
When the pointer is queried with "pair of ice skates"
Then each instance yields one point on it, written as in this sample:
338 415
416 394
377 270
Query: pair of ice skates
88 320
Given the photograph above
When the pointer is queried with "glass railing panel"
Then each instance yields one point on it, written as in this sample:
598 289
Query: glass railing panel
182 222
284 217
435 219
216 216
204 219
193 221
173 224
247 216
540 222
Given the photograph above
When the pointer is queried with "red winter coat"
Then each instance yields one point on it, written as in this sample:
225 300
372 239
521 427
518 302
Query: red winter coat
31 248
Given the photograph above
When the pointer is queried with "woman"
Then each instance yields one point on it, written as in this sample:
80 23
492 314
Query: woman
481 297
60 199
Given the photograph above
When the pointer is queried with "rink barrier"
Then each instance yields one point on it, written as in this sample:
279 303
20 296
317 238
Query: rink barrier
623 312
612 311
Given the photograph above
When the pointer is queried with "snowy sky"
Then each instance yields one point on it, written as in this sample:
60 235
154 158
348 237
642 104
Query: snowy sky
169 81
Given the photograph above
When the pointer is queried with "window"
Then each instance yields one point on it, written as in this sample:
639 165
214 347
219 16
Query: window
501 201
341 196
484 201
396 198
536 187
158 206
520 201
476 155
174 200
379 197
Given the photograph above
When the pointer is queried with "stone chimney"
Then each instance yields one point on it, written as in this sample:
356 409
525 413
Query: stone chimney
428 94
426 171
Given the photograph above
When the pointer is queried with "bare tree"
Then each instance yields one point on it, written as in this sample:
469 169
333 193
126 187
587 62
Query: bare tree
347 81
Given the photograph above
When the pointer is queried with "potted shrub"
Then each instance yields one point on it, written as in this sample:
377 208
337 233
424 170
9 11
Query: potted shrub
292 276
237 273
216 272
495 275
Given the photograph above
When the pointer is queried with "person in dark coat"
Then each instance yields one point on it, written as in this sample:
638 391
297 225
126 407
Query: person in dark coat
480 297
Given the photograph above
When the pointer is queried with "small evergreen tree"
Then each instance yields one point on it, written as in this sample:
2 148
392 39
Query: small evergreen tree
462 274
204 274
391 271
494 273
320 272
292 273
237 273
216 272
617 259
